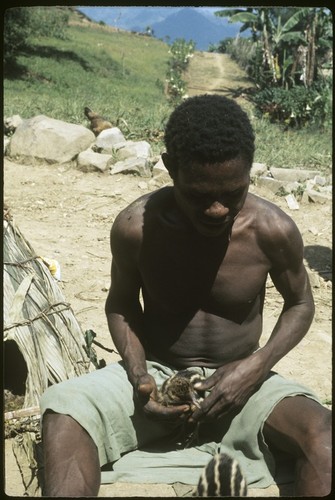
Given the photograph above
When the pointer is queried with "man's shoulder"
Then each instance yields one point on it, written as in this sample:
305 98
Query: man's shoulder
274 227
267 212
130 220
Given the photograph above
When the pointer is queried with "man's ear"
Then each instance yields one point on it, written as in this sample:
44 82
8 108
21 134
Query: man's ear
168 165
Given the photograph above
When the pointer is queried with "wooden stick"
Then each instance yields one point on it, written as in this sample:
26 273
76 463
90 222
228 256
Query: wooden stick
24 412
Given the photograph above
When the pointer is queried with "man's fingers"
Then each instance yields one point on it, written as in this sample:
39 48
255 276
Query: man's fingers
158 411
207 384
145 388
173 411
211 409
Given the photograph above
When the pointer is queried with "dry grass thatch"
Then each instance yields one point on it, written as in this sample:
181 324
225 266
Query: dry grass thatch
38 319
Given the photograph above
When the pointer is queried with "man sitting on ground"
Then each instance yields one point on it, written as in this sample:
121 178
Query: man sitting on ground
199 252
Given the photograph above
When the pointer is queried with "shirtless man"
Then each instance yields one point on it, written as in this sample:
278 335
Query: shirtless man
199 252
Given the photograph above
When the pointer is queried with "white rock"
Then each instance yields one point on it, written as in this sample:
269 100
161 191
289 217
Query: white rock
6 142
107 139
89 161
12 123
160 173
293 186
272 184
258 169
292 174
50 140
320 180
316 196
292 202
138 166
139 149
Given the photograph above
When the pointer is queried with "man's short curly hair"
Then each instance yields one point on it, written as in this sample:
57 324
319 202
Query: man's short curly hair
208 129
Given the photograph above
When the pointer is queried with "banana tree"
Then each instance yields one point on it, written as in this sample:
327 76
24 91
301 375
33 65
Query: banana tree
289 46
259 22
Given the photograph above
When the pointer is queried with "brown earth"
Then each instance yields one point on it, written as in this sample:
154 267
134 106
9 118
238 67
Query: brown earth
66 214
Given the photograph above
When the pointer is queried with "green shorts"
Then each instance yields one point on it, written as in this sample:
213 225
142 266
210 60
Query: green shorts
142 451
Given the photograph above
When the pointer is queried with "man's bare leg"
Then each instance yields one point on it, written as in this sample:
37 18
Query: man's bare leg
71 461
302 427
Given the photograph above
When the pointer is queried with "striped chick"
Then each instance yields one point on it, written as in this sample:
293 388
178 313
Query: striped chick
222 477
179 389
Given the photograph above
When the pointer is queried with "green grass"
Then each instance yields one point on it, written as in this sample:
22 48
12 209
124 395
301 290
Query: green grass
117 74
304 148
122 76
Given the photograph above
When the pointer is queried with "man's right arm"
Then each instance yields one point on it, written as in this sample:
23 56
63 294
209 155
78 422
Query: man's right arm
125 317
123 309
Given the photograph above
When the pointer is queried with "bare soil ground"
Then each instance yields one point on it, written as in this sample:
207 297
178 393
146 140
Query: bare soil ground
66 214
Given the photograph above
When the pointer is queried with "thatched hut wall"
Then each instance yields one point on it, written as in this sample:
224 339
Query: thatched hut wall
38 320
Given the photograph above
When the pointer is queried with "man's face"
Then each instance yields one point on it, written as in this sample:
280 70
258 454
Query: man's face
211 195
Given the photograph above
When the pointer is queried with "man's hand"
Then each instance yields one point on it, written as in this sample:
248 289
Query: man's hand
230 387
147 394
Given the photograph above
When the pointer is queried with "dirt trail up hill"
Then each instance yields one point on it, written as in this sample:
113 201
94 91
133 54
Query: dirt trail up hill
212 73
67 215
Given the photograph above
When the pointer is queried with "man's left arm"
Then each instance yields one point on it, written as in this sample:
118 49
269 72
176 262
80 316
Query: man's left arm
232 384
290 278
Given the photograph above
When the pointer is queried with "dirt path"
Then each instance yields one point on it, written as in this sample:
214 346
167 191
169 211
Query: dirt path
212 73
67 215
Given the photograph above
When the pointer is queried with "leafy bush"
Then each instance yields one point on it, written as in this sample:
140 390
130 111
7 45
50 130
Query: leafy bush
243 51
23 23
17 30
298 106
222 47
49 22
180 51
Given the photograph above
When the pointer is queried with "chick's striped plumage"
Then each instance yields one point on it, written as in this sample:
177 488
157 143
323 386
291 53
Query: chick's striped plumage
179 389
222 477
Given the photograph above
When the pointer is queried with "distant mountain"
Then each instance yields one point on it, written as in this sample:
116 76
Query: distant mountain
128 18
168 23
190 24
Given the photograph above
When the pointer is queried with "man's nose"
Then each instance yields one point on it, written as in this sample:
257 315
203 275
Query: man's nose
216 210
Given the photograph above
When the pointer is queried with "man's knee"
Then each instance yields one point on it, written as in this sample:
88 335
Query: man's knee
299 425
317 432
58 427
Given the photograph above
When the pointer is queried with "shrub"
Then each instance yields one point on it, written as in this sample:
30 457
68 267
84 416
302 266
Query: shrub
17 30
49 22
243 51
298 106
22 23
180 51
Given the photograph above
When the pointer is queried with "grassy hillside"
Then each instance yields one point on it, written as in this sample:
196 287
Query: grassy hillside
122 76
119 74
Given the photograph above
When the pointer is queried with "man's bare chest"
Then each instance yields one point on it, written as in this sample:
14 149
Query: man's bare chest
183 276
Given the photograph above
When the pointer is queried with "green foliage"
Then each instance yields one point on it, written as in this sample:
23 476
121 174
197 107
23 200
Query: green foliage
23 23
118 74
296 148
122 76
298 106
222 47
49 21
244 52
180 51
291 44
286 56
16 32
